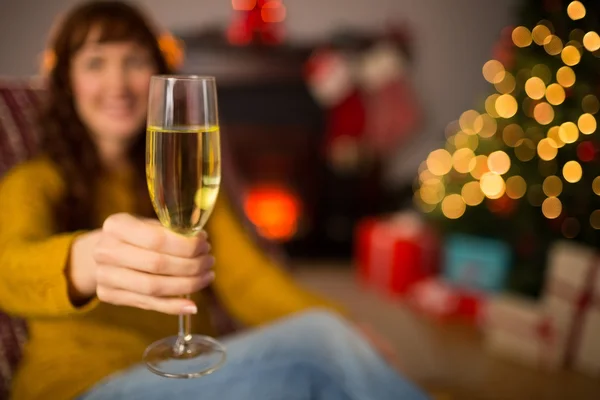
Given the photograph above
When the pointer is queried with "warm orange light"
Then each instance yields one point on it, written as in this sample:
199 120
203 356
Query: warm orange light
587 124
555 94
568 132
570 55
492 185
543 113
535 88
243 5
273 11
499 162
506 106
551 207
453 206
274 211
512 134
516 187
521 36
565 76
572 171
591 41
576 10
547 149
439 162
493 71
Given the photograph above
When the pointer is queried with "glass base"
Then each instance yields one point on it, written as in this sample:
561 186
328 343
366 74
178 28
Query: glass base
196 356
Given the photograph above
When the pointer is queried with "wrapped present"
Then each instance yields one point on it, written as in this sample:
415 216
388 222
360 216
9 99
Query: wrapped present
444 302
572 297
394 253
520 329
476 263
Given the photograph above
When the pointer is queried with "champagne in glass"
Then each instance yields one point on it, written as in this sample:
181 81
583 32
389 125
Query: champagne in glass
183 171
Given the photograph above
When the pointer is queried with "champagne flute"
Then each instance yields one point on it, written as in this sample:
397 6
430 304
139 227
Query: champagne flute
183 171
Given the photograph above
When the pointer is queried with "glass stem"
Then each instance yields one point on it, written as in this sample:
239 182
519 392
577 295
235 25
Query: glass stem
185 332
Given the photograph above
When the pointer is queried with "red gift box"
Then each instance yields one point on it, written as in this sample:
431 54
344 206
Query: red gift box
445 302
396 252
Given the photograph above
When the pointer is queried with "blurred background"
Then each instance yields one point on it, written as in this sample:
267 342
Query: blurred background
432 164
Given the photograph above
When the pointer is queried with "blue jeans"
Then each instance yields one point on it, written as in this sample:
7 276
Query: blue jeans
309 356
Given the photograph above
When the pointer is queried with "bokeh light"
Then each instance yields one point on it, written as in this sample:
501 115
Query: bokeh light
499 162
576 10
555 94
572 171
535 195
553 45
478 166
243 5
568 132
525 149
586 151
511 134
507 84
535 88
591 41
485 125
565 76
554 134
590 104
516 187
461 160
462 140
587 124
467 120
596 185
595 219
540 33
490 105
570 55
551 208
472 194
570 227
493 71
453 206
426 208
273 11
439 162
552 186
521 36
547 149
492 185
506 106
543 113
432 191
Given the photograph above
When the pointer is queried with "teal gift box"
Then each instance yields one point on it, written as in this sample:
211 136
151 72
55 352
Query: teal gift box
476 263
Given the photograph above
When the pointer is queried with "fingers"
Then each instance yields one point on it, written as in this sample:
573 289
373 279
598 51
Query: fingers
148 284
113 252
171 306
152 236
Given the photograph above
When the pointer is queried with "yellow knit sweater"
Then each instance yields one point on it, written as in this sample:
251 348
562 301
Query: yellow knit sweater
69 348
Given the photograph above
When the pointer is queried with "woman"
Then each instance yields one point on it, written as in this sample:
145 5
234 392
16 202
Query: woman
97 278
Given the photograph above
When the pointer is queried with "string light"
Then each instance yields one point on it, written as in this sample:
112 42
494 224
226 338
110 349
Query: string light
596 185
426 208
478 166
552 186
467 120
521 36
490 105
570 227
506 106
572 171
461 160
453 206
462 140
525 150
516 187
553 45
554 134
511 134
565 77
439 162
555 94
551 208
472 194
595 219
485 125
492 185
590 104
591 41
570 55
568 132
576 10
540 33
507 84
535 88
543 113
499 162
493 71
587 124
432 191
547 149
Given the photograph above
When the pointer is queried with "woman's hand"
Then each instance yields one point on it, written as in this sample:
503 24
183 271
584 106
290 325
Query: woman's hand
141 264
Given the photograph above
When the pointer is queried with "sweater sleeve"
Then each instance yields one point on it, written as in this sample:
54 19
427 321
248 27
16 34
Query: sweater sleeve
252 287
33 258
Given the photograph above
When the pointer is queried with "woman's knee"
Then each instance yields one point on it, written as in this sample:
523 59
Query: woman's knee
323 323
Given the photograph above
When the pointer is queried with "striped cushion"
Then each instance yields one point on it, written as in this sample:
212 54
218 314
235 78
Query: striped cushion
19 103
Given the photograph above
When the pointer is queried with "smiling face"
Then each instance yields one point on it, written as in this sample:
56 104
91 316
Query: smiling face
110 83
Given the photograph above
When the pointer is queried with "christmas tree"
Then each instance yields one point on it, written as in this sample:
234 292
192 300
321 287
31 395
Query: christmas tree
524 167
